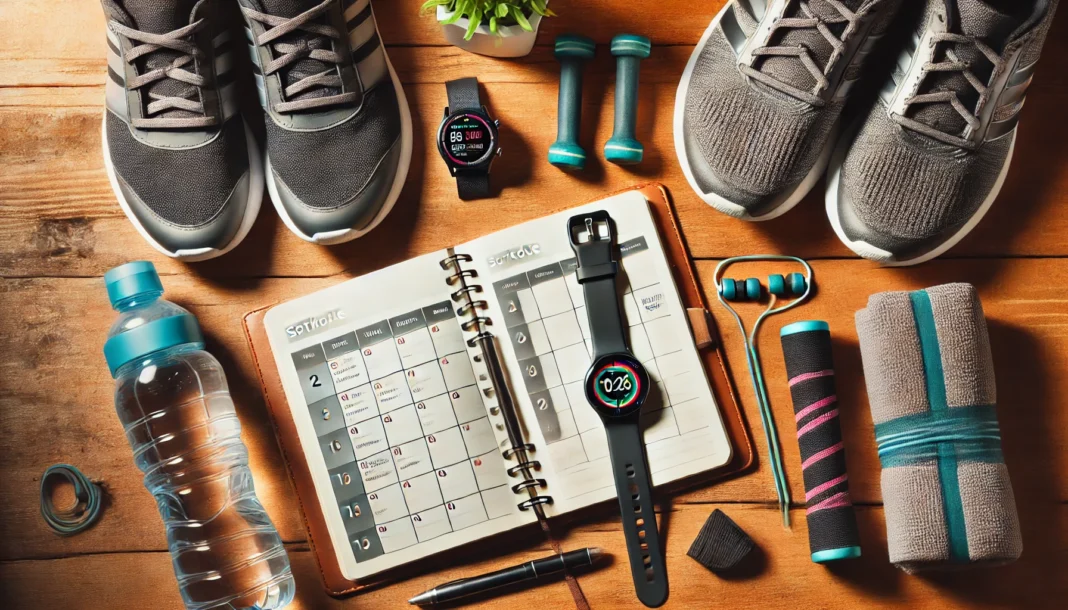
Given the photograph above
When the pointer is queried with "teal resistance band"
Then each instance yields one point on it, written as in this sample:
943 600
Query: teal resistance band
86 510
756 373
935 380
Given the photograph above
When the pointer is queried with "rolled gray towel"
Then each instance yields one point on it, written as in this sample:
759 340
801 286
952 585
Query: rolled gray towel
946 492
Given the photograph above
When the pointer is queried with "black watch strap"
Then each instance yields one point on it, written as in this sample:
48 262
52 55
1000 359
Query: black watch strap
473 185
597 271
647 565
463 94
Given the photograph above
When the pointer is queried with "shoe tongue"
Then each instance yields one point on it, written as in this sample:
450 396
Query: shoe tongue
791 70
161 18
980 20
306 67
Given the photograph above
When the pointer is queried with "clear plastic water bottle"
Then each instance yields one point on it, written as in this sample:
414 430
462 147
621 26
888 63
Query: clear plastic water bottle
174 404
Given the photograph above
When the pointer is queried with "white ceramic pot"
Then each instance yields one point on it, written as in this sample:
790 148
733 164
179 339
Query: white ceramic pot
512 41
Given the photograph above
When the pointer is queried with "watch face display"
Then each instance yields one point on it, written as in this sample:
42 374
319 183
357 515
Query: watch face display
466 139
617 385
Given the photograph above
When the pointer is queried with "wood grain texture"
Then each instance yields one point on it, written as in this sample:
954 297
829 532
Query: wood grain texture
60 229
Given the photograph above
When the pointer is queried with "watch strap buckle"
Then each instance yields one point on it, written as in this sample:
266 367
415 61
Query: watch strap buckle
592 235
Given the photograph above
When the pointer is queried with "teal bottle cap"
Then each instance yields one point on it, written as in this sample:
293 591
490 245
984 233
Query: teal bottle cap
154 336
131 279
631 45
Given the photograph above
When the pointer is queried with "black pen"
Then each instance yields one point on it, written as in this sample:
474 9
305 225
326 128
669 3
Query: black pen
528 571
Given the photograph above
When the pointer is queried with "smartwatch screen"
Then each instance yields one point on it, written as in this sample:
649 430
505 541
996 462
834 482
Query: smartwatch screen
466 138
617 385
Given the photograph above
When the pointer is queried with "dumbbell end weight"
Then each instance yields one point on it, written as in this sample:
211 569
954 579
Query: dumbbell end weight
571 50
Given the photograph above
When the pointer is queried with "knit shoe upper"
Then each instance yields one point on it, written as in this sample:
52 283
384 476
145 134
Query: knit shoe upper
335 114
177 152
928 160
762 94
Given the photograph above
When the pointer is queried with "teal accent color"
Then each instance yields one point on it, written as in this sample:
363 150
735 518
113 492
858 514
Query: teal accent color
572 50
752 289
130 280
973 432
567 155
848 552
729 289
574 45
797 283
631 45
624 151
624 148
804 327
934 378
777 285
152 337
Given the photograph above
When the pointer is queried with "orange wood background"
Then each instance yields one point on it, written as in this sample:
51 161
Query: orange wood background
60 229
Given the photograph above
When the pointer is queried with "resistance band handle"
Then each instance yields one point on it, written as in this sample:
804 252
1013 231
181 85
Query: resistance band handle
832 522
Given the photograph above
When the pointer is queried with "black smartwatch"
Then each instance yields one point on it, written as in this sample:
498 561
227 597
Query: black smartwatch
467 139
616 387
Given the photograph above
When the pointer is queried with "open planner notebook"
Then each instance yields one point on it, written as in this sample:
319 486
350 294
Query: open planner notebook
396 412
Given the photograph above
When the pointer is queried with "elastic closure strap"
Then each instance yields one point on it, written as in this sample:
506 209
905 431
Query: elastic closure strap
973 432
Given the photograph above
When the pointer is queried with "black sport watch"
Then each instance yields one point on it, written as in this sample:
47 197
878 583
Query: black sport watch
467 139
616 387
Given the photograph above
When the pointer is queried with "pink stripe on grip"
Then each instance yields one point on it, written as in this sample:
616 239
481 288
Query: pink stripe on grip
819 404
838 500
833 449
807 376
833 413
815 491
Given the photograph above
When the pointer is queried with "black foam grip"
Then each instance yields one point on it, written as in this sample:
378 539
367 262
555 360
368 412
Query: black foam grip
832 523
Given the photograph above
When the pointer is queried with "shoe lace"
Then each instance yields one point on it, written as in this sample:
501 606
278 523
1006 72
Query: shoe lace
319 46
952 63
180 69
810 20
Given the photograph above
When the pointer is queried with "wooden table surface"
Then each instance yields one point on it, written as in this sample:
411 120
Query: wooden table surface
61 229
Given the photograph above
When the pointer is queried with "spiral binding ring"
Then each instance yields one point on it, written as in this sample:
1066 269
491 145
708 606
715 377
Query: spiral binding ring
508 453
528 484
532 465
450 262
466 290
536 500
473 340
452 279
476 323
470 307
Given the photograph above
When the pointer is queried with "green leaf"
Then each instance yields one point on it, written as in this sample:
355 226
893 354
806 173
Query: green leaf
521 19
502 11
493 24
476 19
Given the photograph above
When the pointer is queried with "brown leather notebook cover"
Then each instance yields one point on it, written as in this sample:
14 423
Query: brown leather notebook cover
705 334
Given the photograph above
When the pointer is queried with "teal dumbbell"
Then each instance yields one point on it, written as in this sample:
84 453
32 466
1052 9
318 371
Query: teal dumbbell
623 148
571 50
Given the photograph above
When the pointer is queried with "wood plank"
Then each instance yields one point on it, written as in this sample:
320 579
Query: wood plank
780 575
58 215
54 385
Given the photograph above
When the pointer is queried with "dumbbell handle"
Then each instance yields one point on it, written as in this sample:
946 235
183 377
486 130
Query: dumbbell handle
626 112
832 523
570 101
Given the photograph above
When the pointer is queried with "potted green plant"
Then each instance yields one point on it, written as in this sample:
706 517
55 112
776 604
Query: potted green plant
498 28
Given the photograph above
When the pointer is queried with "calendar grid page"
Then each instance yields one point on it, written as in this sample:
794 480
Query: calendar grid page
538 303
409 458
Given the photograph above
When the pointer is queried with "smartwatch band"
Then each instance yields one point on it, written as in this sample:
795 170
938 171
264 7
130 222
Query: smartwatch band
647 566
473 185
463 94
596 273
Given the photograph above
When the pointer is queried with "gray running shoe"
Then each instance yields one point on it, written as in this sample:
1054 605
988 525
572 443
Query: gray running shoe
920 170
180 159
339 134
759 102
